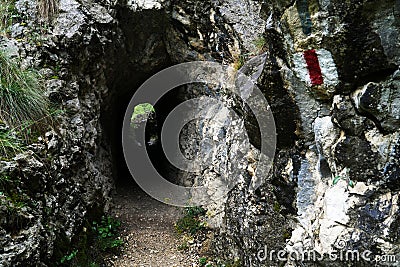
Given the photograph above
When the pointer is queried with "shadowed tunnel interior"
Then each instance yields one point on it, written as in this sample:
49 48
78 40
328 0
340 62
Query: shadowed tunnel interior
153 130
141 31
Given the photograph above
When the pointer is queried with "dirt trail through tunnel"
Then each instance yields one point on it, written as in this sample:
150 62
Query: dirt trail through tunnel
150 239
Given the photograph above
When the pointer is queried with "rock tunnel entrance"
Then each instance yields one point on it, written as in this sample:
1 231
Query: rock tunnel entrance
143 54
151 44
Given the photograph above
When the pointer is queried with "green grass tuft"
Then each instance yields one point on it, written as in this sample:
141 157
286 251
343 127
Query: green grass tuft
7 15
260 43
238 61
22 101
9 144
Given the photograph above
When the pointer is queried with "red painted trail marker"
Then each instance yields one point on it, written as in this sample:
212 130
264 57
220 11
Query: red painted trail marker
313 67
316 67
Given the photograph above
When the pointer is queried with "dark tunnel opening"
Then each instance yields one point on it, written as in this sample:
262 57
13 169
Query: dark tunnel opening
155 152
142 54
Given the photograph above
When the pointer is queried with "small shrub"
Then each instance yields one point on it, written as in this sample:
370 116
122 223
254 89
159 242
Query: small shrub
277 207
6 182
190 223
195 211
106 231
96 240
4 179
18 199
16 196
107 227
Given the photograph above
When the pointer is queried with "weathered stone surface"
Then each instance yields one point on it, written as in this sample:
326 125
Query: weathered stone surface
326 135
70 19
336 172
245 18
355 154
381 101
345 116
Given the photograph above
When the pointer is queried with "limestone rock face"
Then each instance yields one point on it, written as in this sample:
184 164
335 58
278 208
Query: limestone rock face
328 68
380 101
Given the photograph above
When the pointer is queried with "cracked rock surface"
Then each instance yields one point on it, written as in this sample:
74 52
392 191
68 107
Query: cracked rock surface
334 182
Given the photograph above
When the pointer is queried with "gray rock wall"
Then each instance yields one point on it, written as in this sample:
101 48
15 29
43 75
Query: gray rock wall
329 70
343 164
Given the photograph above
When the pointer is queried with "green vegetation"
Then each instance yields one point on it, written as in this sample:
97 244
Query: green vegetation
183 246
4 180
9 144
21 95
260 43
97 240
336 179
7 15
47 9
18 200
195 211
235 263
15 200
240 58
203 261
24 109
238 61
277 206
142 109
191 223
106 231
16 197
33 34
287 234
69 256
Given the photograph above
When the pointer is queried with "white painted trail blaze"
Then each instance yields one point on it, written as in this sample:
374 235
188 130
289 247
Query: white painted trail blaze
328 67
326 64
